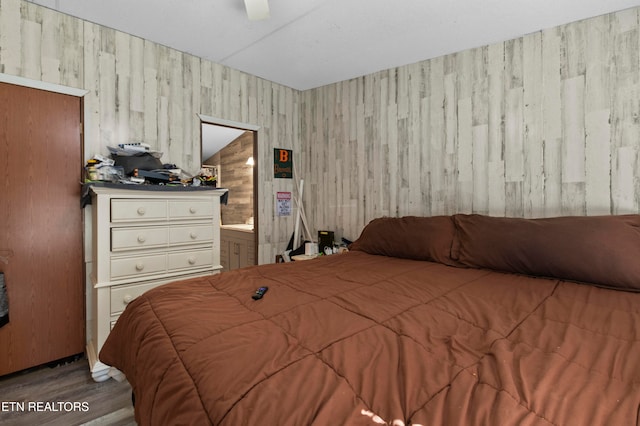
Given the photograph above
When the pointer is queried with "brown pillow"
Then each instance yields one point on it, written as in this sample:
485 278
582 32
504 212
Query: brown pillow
409 237
599 249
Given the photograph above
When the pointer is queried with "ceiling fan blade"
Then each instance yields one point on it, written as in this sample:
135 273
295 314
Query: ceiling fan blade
257 9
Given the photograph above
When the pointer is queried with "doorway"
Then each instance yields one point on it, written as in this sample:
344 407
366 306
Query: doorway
229 154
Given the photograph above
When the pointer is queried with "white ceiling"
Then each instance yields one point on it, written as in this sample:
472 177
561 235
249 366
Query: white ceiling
214 138
311 43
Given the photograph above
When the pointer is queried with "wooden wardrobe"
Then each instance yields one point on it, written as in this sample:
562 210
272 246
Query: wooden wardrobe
40 226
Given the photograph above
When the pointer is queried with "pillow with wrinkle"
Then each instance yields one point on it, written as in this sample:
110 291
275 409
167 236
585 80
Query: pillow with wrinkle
603 250
409 237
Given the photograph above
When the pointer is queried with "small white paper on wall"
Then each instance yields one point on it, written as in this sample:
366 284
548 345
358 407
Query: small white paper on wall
283 203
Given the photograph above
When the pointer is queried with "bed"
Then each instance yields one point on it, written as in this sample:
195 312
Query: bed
462 319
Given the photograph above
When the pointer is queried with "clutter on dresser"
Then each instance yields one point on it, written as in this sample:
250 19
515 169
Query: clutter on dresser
208 176
136 166
135 163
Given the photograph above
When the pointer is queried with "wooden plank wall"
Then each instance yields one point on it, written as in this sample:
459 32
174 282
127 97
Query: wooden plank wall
542 125
235 174
143 91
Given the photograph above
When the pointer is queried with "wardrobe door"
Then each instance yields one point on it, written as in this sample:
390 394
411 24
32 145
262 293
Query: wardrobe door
40 226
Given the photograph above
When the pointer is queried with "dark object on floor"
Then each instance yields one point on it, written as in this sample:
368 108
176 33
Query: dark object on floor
4 302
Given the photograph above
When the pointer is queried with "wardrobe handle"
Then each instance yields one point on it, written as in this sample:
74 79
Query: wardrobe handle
126 299
139 266
141 238
141 211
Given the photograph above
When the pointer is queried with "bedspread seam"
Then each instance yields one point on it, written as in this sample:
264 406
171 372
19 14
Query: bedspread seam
186 370
375 323
590 330
418 303
311 352
517 400
529 314
490 344
567 360
478 381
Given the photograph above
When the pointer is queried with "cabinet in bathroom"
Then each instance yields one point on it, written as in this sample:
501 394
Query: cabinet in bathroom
237 247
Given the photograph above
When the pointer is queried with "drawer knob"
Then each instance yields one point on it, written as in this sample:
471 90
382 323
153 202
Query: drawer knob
141 238
193 235
139 266
141 211
192 209
126 299
192 261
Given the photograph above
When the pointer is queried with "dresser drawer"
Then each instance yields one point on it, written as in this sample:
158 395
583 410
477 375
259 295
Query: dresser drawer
138 210
139 238
122 295
190 234
139 265
190 259
190 209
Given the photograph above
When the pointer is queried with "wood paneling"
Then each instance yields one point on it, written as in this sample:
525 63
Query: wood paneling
235 175
542 125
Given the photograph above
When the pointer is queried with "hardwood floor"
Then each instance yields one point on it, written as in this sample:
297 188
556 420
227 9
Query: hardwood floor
64 395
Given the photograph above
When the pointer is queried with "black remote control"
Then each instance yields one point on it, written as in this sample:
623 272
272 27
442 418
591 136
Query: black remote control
259 293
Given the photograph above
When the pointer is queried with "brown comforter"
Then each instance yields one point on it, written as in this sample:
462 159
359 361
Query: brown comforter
364 339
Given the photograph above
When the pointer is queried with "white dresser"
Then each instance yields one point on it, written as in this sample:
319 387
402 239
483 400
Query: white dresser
140 240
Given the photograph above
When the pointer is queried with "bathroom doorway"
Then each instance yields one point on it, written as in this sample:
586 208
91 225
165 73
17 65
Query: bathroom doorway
229 154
